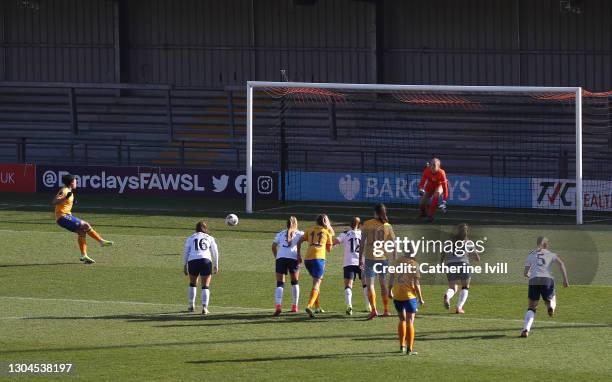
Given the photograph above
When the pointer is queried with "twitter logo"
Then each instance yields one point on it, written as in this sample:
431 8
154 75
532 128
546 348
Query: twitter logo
220 184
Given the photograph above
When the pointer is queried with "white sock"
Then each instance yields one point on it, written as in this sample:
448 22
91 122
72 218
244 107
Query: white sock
365 295
463 295
205 297
449 294
295 294
278 296
529 316
553 303
348 296
192 295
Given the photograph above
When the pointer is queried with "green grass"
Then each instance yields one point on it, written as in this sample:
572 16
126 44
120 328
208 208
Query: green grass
123 318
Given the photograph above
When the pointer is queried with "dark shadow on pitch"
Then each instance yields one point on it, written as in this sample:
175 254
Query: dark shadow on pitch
293 358
426 338
205 340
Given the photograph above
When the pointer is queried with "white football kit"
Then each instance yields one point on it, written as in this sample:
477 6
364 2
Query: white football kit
539 262
285 248
351 240
201 246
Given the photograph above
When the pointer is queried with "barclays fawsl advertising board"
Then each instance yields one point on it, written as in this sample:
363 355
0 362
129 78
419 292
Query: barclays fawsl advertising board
403 188
158 181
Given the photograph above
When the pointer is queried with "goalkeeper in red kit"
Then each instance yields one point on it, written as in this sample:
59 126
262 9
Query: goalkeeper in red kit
433 185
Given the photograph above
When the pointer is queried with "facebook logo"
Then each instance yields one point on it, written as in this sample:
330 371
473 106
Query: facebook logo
240 183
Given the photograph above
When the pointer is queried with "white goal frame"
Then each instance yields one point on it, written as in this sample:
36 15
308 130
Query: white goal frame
433 88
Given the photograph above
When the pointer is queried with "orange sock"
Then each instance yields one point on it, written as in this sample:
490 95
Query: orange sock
317 303
93 234
372 298
83 245
411 336
314 294
385 299
401 332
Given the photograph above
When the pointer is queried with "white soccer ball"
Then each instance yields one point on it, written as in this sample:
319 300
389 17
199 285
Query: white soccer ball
231 220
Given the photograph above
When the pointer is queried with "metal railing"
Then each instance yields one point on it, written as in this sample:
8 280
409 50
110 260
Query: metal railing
115 152
71 96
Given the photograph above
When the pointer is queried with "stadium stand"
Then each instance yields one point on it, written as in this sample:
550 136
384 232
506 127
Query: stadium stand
164 126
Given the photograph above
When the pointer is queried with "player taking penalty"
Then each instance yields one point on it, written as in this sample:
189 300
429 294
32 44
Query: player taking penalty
432 186
63 203
541 281
404 289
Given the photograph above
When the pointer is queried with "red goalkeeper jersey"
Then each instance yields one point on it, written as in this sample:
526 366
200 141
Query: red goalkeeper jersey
430 181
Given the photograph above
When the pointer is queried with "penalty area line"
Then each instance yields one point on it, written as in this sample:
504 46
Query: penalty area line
137 303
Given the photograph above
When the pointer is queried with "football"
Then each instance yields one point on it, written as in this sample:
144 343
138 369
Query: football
231 220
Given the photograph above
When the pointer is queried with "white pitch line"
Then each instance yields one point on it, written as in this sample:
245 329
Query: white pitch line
182 237
125 303
8 207
273 208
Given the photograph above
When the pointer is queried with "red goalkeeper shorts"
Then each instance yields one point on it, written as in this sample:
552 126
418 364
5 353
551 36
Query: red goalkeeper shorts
430 188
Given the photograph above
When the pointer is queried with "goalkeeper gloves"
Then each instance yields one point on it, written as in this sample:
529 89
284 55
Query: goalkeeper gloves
421 191
68 195
442 206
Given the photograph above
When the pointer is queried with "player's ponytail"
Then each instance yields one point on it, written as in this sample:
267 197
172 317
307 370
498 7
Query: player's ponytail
201 226
381 213
292 226
323 221
355 223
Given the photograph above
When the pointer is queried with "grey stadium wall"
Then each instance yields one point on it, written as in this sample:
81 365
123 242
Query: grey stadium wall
212 43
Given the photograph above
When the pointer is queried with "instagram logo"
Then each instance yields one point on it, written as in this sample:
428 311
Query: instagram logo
264 185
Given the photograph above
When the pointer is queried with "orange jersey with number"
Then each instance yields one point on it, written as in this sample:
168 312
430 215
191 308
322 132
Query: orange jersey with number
65 207
319 242
404 283
431 181
374 230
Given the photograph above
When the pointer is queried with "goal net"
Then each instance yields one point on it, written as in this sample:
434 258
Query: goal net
529 150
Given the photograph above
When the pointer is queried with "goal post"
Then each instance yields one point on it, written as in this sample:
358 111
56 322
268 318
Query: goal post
579 202
441 91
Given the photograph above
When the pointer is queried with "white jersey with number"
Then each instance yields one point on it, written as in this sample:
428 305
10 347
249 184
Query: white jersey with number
201 246
285 248
539 262
462 255
351 240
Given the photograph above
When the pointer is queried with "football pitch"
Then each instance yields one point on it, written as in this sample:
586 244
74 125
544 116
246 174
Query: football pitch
124 318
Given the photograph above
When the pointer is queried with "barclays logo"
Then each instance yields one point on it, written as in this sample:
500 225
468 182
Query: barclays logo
349 187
